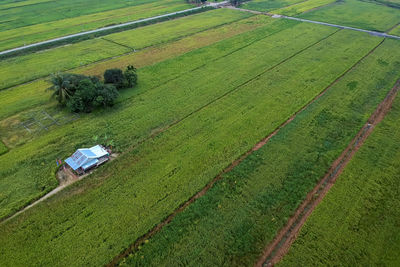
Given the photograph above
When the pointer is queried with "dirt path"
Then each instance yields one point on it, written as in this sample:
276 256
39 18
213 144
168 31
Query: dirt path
275 251
133 247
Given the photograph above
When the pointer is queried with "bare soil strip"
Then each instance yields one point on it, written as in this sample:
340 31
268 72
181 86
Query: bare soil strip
275 251
204 190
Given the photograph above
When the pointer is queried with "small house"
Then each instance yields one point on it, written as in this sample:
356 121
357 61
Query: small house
85 159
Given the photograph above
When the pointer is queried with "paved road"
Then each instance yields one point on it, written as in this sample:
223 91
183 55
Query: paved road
380 34
215 5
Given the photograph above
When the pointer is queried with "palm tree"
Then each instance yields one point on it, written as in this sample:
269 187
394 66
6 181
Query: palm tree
60 82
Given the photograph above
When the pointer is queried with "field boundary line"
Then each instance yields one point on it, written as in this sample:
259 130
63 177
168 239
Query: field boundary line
172 124
277 16
134 246
114 42
278 248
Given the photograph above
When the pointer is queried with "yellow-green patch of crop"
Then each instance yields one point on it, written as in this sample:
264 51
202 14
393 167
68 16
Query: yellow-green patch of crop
365 15
166 51
302 7
147 183
23 97
155 34
396 31
16 70
236 219
357 222
268 5
40 32
29 95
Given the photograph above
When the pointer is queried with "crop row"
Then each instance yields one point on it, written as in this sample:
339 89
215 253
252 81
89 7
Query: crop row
14 35
218 115
16 70
234 221
357 222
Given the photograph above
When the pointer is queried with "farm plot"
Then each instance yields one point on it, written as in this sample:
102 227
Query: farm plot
365 15
151 180
232 223
396 31
40 64
357 222
263 5
143 117
302 7
30 95
29 24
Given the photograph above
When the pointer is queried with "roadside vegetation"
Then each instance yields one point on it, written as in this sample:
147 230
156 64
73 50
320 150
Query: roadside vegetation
357 222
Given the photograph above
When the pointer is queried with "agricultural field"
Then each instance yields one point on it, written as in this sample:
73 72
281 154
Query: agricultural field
235 118
36 65
231 224
357 223
359 14
30 21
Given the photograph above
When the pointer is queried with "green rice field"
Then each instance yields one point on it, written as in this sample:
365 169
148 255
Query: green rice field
30 21
243 114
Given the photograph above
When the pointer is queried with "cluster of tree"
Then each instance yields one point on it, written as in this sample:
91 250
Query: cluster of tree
82 93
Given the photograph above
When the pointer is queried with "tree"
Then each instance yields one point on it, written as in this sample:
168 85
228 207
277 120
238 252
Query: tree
106 95
130 76
82 100
114 76
60 87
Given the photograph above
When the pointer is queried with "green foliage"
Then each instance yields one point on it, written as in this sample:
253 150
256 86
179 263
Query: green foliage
119 79
91 92
131 76
116 77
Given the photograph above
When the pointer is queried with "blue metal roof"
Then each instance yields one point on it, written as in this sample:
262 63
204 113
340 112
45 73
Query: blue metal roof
86 157
87 152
